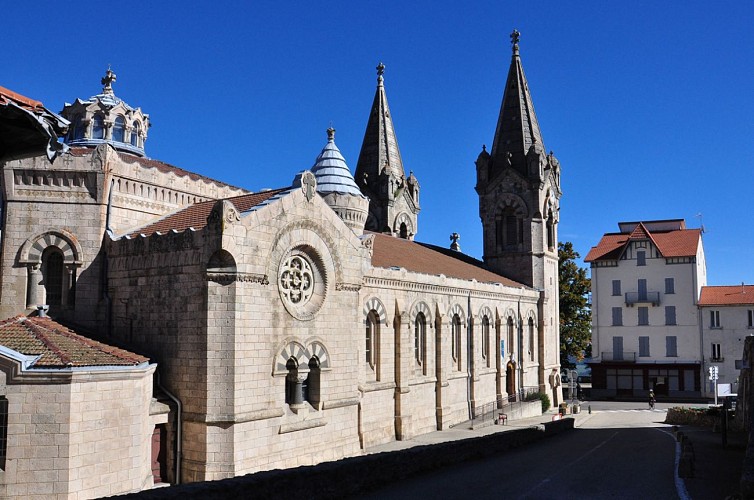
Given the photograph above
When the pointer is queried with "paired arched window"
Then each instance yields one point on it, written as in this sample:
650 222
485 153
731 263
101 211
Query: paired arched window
420 341
98 127
455 341
135 134
119 129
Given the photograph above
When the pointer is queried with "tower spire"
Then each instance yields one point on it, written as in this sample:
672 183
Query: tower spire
394 200
517 126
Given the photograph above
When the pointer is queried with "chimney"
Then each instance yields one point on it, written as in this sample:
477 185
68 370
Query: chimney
42 310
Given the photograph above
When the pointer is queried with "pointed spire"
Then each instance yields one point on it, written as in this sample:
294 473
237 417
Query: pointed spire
517 126
379 150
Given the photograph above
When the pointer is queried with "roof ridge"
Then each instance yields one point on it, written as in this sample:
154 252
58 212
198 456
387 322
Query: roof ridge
38 332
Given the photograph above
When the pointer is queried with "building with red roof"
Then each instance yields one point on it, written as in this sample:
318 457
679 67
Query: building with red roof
289 326
646 280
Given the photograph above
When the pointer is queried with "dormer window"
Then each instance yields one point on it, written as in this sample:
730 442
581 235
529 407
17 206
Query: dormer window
135 135
98 127
119 129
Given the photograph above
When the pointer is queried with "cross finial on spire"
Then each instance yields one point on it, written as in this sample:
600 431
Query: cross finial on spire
107 81
380 72
514 40
331 134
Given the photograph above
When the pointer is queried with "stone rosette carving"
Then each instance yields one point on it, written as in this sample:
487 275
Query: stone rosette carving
301 283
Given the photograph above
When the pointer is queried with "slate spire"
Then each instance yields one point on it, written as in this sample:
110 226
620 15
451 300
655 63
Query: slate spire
517 130
393 199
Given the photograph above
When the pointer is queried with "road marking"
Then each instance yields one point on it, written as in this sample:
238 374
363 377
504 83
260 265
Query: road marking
680 484
582 457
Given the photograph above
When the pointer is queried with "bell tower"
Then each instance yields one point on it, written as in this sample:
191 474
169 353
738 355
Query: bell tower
519 189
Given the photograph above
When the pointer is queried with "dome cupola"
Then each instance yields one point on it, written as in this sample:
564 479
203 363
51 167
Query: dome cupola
338 188
106 119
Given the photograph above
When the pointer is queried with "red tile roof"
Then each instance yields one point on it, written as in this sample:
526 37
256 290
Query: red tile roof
676 243
7 95
60 347
159 165
196 215
389 251
727 295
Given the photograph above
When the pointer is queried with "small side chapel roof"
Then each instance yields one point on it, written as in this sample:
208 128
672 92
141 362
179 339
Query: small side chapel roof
56 346
195 216
670 243
736 295
389 251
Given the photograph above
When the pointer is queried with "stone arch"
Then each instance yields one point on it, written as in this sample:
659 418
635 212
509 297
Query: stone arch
316 349
66 242
374 304
457 309
513 203
404 226
291 349
486 311
421 307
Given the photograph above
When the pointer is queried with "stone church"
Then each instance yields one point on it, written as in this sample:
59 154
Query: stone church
163 326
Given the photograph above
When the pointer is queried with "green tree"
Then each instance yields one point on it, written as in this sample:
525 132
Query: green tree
575 309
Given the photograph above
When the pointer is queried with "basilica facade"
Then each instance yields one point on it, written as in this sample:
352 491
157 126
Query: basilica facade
256 329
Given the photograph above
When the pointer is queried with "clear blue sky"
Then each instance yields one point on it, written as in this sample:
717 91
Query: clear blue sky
648 105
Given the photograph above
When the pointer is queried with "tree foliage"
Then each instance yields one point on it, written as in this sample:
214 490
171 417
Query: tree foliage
575 309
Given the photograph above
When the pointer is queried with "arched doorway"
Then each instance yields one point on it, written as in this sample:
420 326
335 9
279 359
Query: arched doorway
510 380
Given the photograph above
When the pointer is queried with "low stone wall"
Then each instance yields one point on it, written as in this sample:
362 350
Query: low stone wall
353 476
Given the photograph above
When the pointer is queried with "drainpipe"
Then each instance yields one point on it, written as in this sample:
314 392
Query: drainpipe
469 357
178 428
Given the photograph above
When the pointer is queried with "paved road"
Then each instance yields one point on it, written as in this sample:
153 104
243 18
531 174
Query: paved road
621 450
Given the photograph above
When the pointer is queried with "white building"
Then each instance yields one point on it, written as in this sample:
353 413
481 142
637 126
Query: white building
727 317
646 280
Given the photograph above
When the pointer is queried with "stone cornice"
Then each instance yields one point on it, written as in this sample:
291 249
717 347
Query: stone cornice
408 285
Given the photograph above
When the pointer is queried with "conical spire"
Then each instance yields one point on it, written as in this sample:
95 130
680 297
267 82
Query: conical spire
380 147
332 172
517 127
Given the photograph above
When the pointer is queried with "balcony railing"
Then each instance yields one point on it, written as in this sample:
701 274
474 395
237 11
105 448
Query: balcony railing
618 356
643 298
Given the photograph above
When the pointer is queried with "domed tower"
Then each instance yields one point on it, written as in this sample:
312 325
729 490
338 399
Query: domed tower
393 199
106 119
337 187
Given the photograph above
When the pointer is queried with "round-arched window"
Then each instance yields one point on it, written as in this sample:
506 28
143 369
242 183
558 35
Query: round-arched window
135 134
119 129
98 127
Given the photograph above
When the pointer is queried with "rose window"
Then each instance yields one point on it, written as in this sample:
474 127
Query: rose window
296 280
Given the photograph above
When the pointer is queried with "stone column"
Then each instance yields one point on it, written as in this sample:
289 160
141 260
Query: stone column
443 366
32 289
404 363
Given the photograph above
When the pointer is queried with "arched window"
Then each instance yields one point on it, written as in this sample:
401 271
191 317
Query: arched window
52 272
135 134
77 129
373 342
456 340
404 231
119 129
98 127
293 390
510 335
420 341
550 231
486 340
312 392
532 340
509 229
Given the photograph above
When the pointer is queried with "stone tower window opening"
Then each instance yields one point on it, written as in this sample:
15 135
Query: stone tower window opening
135 130
509 229
53 276
510 335
550 231
404 231
532 340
